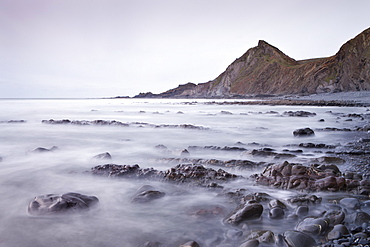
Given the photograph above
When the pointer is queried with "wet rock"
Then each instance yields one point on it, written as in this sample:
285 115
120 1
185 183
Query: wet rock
276 213
118 123
185 152
299 239
56 204
226 148
331 160
14 121
299 114
183 173
263 236
127 171
335 216
316 145
311 178
250 243
249 211
303 132
274 203
103 156
207 212
190 244
150 244
305 200
226 113
359 218
350 203
197 174
276 209
234 234
337 232
147 193
313 226
45 150
302 210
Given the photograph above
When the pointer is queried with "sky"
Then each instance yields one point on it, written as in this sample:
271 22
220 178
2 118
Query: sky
108 48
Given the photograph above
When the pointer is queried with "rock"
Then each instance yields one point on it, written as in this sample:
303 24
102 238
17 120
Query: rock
299 114
197 174
127 171
335 216
359 218
318 145
299 239
185 173
250 243
337 232
263 236
44 150
185 152
305 200
276 203
226 113
276 213
314 178
56 204
313 226
147 193
150 244
302 210
190 244
303 132
103 156
332 160
249 211
350 203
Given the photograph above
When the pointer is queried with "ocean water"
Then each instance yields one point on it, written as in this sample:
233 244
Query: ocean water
116 221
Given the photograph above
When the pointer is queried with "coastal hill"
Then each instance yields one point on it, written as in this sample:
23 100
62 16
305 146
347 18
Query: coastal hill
265 70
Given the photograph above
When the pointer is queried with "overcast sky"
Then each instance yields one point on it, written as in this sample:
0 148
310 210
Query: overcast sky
103 48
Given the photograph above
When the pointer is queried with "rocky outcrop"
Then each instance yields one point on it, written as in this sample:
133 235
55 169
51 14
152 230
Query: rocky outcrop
52 204
265 70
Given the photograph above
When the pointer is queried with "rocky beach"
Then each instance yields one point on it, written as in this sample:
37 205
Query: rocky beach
123 172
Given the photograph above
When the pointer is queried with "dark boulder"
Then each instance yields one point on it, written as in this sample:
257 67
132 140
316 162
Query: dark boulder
190 244
56 204
299 239
44 150
303 132
184 173
299 114
103 156
127 171
250 211
313 226
147 193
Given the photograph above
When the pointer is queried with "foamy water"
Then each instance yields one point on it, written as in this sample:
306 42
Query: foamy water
116 221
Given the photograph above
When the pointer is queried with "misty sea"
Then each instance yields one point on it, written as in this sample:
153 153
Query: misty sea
116 221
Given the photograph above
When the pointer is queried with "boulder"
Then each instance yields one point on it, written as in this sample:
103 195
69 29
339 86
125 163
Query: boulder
299 239
51 204
303 132
147 193
103 156
250 211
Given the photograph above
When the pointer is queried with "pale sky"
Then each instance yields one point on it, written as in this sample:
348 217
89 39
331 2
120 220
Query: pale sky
107 48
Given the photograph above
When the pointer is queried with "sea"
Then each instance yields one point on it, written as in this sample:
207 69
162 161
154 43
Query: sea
149 124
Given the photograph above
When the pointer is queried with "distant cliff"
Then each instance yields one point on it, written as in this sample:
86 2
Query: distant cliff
265 70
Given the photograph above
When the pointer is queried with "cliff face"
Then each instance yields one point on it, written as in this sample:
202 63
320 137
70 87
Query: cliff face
264 69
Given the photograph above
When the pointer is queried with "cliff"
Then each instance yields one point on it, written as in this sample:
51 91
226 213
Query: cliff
264 69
